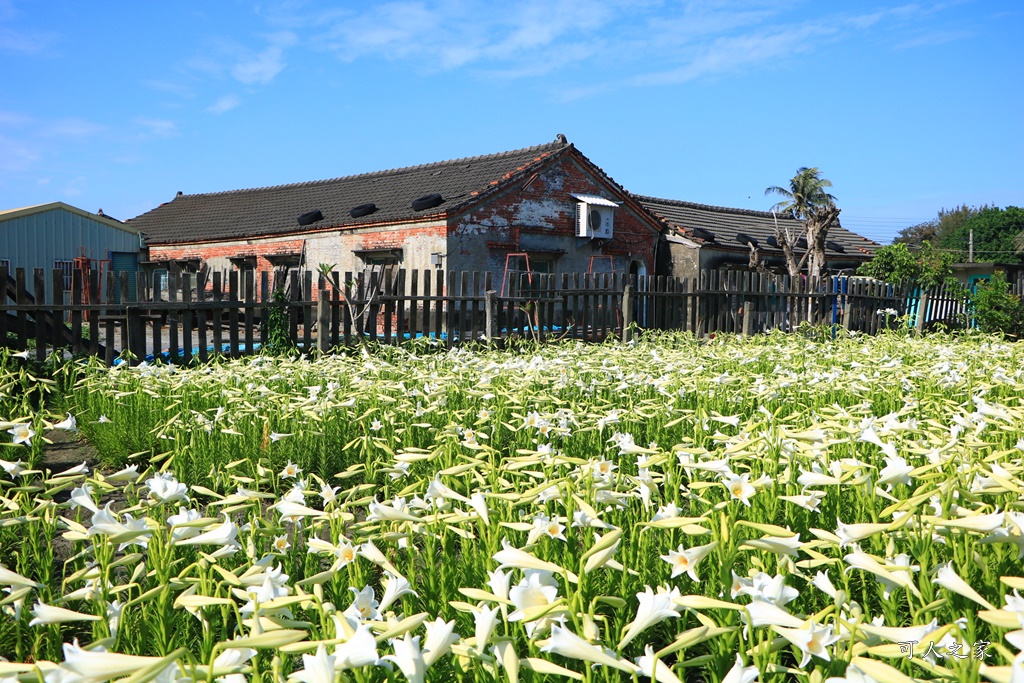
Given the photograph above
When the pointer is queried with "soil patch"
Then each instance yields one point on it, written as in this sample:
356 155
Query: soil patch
67 450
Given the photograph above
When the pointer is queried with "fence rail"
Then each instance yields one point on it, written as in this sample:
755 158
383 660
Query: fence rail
194 316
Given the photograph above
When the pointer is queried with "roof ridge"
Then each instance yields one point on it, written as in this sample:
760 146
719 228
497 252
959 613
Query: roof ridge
709 207
548 146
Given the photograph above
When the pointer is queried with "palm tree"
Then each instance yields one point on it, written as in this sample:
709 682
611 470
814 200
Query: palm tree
806 200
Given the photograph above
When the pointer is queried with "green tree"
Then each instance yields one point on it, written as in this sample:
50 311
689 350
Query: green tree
806 200
994 229
996 308
927 266
947 222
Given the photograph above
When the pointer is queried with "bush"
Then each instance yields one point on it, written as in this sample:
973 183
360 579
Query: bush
996 309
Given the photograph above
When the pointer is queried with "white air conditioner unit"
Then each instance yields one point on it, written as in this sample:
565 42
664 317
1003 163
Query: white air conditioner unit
595 217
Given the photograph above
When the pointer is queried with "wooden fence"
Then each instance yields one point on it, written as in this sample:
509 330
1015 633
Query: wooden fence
188 317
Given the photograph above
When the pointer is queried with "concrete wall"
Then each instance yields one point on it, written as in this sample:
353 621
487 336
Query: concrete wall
539 217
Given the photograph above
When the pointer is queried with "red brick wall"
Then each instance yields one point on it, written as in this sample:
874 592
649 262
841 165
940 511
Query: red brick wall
539 213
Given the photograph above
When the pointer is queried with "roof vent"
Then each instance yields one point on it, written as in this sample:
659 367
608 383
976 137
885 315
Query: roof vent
310 217
362 210
772 242
744 238
835 246
427 202
703 234
801 243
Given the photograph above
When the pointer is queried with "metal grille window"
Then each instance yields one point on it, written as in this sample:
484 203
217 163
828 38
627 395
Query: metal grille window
66 268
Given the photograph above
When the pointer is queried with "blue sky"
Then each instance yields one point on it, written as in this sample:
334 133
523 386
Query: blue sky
907 108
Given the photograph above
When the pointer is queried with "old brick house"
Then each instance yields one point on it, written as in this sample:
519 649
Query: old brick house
549 202
700 237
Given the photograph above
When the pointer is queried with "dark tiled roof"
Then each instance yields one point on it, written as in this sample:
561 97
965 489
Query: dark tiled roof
273 210
727 225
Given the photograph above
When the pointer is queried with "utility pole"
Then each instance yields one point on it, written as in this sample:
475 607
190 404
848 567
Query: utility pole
970 247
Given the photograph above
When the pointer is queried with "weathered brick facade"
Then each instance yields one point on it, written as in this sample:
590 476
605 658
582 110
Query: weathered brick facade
538 217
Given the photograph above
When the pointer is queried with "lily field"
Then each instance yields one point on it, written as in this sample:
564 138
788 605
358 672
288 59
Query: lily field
774 508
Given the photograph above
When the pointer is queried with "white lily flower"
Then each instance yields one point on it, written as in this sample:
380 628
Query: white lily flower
485 619
364 606
22 434
69 424
395 588
398 511
437 490
224 535
183 516
15 580
359 650
762 613
653 609
106 523
49 614
896 471
409 658
130 473
655 668
902 560
812 640
771 589
566 643
686 560
775 544
537 589
950 580
854 533
499 583
98 665
809 501
858 559
479 504
740 489
292 513
82 497
741 674
317 668
165 488
900 634
822 582
14 469
440 638
509 556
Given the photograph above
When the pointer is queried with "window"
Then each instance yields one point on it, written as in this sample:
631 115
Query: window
66 268
381 261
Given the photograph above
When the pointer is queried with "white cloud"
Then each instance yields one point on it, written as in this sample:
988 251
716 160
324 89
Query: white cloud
158 128
26 42
223 104
72 127
738 53
933 38
16 155
262 67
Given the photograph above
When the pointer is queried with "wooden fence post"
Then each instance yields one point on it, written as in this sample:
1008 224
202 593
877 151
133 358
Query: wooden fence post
748 318
922 308
490 329
323 315
627 313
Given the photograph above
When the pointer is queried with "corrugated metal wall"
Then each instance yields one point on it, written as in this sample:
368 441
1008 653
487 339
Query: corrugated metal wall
37 240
